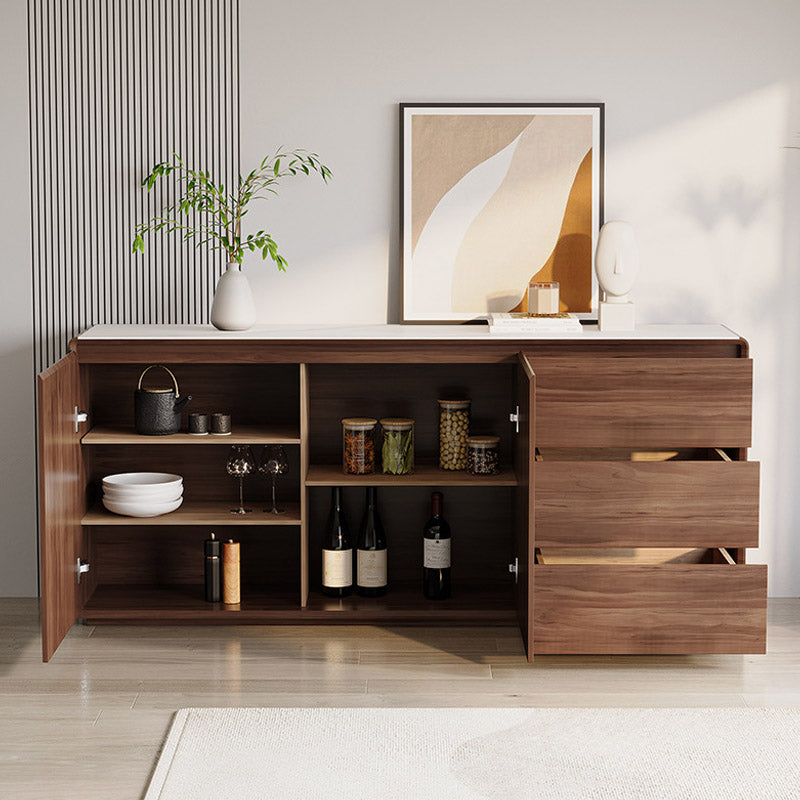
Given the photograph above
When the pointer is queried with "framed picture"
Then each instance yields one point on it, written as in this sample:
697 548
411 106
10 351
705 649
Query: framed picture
494 195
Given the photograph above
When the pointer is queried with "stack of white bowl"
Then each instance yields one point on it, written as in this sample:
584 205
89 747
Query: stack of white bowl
142 494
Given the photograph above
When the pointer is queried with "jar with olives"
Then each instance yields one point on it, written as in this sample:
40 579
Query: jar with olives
482 456
358 445
453 433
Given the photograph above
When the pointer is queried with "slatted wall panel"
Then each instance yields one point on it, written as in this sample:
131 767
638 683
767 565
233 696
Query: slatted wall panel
116 86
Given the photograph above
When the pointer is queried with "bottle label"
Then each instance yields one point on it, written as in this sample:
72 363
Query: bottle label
436 554
337 568
372 568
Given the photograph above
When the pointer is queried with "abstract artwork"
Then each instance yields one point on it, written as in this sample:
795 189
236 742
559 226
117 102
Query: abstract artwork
494 196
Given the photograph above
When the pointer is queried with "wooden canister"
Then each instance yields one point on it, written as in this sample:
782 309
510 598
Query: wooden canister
231 581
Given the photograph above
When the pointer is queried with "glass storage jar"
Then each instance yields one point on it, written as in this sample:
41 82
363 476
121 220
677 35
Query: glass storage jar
358 445
482 455
397 450
453 433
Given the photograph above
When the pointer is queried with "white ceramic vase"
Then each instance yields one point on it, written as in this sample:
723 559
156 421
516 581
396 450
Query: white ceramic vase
233 308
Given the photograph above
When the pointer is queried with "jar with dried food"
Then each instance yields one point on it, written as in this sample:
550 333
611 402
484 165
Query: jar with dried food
358 445
453 433
482 455
397 451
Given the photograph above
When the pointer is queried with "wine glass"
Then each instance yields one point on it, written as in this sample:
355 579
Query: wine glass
240 463
274 463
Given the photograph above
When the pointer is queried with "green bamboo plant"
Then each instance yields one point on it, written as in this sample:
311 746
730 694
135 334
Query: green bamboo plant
220 212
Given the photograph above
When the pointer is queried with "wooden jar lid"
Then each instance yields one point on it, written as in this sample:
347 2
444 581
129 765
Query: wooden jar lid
397 423
359 423
483 441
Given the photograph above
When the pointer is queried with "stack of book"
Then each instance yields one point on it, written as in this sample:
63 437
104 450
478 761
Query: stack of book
518 322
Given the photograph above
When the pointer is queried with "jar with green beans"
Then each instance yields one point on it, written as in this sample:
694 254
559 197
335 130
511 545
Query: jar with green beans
397 451
453 433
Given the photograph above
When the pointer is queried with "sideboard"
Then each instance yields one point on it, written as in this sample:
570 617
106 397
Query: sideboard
618 523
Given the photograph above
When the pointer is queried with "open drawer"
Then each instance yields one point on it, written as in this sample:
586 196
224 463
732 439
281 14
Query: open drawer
639 601
618 498
643 402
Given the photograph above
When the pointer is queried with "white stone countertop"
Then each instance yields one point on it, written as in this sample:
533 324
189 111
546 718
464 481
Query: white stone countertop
479 332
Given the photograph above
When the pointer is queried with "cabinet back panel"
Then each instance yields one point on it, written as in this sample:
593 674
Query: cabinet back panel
254 394
162 556
481 523
407 390
202 468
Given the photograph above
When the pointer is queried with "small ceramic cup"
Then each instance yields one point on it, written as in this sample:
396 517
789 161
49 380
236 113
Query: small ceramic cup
198 424
221 424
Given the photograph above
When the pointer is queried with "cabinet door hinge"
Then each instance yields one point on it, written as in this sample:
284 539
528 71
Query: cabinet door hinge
514 417
79 416
81 566
513 568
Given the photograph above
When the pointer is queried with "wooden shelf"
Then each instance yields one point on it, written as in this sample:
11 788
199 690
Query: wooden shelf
403 605
184 603
423 475
200 513
242 434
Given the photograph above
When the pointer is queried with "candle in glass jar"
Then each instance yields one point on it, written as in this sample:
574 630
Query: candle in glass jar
542 298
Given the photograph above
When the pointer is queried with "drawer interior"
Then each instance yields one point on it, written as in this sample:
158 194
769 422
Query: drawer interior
634 555
637 455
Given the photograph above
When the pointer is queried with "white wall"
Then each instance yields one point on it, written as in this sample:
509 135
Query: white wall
701 98
18 565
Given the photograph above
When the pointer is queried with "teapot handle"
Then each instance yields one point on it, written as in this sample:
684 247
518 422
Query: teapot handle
160 366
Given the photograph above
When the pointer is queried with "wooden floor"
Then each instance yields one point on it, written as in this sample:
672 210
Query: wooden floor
90 723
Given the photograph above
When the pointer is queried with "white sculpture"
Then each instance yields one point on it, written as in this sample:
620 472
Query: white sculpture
616 264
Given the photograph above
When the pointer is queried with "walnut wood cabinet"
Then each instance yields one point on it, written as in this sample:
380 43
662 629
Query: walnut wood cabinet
618 524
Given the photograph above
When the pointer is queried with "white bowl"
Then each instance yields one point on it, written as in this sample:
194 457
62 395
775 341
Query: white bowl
142 483
141 509
165 495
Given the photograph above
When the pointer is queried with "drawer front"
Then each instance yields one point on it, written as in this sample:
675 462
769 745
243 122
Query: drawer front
630 504
664 608
643 402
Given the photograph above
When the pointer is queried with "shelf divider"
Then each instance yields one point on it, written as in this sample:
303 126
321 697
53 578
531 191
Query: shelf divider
423 475
304 436
241 434
404 604
197 513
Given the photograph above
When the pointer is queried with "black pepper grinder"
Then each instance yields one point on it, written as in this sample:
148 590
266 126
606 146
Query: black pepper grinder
213 552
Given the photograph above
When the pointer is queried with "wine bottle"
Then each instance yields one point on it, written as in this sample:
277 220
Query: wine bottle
337 551
436 553
371 558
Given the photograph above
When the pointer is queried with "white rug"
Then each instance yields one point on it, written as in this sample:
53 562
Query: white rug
460 754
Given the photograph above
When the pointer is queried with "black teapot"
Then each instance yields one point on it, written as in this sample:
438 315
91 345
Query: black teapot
157 412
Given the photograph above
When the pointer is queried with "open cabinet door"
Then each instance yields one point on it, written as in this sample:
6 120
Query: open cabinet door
61 500
524 452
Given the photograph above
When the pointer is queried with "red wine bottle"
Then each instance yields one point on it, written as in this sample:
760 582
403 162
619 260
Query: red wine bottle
436 553
371 555
337 551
